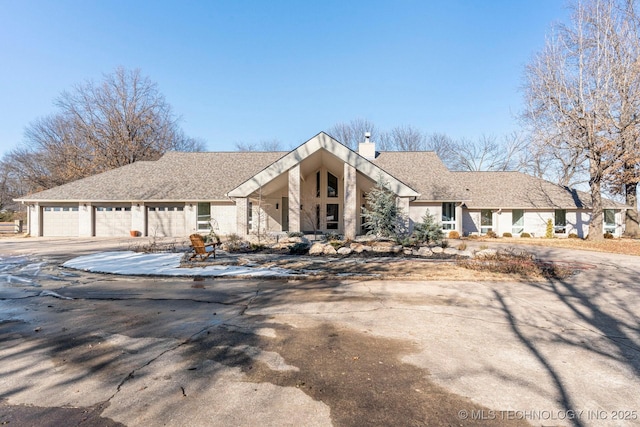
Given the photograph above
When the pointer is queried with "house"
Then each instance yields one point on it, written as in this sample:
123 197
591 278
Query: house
319 186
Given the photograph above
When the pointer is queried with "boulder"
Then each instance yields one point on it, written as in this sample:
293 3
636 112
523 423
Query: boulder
357 247
437 250
424 251
344 251
450 251
329 250
316 249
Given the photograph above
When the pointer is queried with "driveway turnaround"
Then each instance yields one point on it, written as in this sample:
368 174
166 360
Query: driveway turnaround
80 348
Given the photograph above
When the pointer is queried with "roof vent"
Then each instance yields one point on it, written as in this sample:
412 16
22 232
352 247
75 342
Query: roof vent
367 149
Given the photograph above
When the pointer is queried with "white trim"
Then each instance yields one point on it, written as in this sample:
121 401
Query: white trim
319 142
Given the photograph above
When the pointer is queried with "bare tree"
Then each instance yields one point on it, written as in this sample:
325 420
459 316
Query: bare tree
567 168
622 23
99 126
264 145
487 153
444 146
11 186
572 103
402 138
352 133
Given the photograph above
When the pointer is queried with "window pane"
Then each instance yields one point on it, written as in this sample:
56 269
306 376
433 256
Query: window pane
318 184
332 212
448 212
561 217
332 185
609 217
518 217
486 217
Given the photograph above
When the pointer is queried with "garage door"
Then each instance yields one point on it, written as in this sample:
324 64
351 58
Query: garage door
166 221
112 221
58 221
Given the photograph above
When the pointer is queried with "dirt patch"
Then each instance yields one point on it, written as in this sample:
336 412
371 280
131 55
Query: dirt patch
360 377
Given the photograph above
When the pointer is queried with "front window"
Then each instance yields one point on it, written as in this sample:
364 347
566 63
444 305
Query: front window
486 221
517 221
448 216
609 221
318 184
332 185
204 217
332 216
560 221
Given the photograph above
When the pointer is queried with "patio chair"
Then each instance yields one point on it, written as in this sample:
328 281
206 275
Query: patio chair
200 252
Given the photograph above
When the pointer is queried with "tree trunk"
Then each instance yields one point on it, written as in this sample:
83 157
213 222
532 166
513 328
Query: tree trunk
631 226
595 224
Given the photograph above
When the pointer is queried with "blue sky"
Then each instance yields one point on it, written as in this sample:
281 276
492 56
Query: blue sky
246 71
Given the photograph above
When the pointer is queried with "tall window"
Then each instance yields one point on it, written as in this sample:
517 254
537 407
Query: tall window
609 221
332 216
332 185
486 221
318 184
560 221
517 221
204 216
448 216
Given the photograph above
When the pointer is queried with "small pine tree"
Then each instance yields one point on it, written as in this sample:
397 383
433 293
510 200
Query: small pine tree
382 215
429 230
549 232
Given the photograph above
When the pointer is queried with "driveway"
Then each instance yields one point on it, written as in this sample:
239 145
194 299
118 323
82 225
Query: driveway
87 349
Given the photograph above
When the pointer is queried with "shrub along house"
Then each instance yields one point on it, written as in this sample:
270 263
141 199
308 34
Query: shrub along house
319 186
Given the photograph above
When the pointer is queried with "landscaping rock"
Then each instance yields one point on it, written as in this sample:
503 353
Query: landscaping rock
295 240
465 253
357 247
408 251
329 250
437 250
316 249
424 251
344 251
450 251
382 249
396 249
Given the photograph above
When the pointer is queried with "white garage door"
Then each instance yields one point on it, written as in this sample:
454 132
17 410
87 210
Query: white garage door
166 221
58 221
112 221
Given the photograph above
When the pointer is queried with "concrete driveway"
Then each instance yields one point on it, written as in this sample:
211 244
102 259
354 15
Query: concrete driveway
88 349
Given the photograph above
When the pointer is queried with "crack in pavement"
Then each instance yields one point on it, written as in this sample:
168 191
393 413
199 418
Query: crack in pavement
188 340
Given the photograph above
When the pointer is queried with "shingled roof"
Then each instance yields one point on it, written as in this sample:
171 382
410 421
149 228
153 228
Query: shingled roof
521 191
209 176
424 172
176 176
